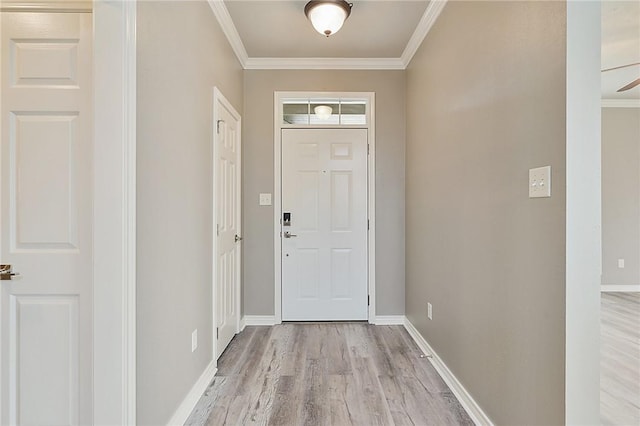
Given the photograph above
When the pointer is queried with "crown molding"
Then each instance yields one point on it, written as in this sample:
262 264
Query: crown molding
46 6
621 103
422 29
229 30
324 64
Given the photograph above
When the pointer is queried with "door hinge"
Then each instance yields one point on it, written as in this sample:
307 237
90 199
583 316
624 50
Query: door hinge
368 149
367 224
217 230
217 333
368 300
218 125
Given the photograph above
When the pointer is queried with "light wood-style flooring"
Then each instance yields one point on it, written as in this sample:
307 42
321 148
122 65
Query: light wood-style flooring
326 374
620 359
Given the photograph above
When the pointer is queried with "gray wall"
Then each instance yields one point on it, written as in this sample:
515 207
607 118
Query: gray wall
485 103
182 55
257 166
621 195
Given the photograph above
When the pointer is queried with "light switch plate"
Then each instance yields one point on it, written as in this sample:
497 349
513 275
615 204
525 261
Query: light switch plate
621 263
265 199
540 182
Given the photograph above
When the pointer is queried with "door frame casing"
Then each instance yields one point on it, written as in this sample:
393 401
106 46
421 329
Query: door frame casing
114 43
218 101
279 97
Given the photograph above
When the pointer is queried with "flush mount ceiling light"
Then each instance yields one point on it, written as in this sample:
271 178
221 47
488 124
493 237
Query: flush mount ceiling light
323 112
327 16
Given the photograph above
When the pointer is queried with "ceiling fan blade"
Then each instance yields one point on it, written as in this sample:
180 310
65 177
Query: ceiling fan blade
631 85
621 66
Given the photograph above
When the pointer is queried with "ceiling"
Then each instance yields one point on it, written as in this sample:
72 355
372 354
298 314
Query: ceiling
274 34
620 46
384 34
375 29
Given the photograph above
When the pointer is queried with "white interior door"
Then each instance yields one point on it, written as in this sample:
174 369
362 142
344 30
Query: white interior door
227 199
324 229
46 225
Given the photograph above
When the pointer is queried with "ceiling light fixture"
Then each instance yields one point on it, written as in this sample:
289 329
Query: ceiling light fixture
327 16
323 112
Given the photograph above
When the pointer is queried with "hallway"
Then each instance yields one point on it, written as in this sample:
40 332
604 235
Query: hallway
326 373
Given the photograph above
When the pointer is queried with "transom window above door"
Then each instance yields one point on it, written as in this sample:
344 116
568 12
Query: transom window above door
324 112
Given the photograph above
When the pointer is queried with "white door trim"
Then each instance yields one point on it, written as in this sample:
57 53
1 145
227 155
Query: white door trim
219 99
114 26
371 189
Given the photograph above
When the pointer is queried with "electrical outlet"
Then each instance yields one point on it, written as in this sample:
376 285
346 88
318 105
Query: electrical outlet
429 311
194 340
621 263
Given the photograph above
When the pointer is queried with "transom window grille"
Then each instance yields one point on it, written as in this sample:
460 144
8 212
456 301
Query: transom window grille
306 112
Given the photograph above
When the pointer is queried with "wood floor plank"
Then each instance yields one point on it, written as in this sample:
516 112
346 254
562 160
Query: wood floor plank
286 409
314 402
449 404
230 362
620 359
203 409
396 401
326 374
408 360
337 351
345 406
294 362
373 400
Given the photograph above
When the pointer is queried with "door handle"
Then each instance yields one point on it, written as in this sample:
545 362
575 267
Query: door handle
6 273
288 234
238 238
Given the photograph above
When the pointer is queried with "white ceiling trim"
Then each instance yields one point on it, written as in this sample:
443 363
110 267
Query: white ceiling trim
422 29
324 64
621 103
229 29
46 6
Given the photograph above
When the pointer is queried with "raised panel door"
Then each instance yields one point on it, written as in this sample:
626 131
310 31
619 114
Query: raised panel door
324 250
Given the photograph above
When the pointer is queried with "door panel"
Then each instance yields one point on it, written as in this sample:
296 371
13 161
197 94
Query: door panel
227 199
41 167
341 200
44 325
324 188
46 219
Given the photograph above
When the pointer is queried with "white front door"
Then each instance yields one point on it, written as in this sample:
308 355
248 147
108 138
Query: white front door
46 227
324 227
227 201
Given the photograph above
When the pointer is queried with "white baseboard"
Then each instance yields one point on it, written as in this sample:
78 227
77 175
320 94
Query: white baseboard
466 400
243 324
389 320
258 320
188 404
620 288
